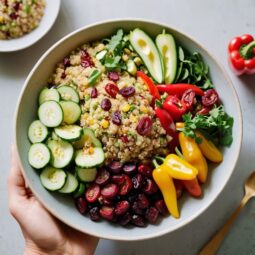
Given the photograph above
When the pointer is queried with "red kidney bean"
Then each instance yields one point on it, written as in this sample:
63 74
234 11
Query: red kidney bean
118 179
103 176
94 93
145 170
138 220
142 201
210 97
92 193
124 139
127 92
106 104
86 60
136 209
81 205
66 62
121 207
125 219
115 167
151 215
161 206
14 15
188 98
116 118
129 168
113 76
150 187
107 212
16 6
111 89
110 190
94 213
104 201
137 181
126 186
144 126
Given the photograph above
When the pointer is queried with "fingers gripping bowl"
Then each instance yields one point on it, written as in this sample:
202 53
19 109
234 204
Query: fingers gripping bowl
62 206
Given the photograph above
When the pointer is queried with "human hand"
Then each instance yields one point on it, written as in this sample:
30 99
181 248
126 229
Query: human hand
43 233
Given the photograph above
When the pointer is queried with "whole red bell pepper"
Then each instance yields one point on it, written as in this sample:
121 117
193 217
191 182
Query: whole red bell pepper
149 83
242 54
178 89
175 107
166 121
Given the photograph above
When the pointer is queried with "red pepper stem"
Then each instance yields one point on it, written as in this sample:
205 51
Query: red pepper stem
247 50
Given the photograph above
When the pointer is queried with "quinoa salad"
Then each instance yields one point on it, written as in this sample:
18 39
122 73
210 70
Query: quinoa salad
19 17
126 125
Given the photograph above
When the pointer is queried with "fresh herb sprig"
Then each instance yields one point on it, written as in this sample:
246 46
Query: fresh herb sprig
216 126
112 60
193 70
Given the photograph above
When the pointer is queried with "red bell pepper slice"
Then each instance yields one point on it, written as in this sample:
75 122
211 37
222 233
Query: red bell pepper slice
178 89
151 86
166 121
241 51
175 107
193 187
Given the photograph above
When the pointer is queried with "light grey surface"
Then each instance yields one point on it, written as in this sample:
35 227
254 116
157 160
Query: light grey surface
212 23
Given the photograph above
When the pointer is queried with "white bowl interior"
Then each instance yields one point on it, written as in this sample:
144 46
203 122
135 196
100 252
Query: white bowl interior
61 206
50 14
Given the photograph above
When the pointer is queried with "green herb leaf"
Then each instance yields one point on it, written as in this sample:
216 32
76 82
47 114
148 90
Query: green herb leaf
216 126
115 40
112 62
94 76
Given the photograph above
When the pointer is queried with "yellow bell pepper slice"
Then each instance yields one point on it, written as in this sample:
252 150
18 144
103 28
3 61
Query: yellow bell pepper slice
178 168
209 150
166 185
194 156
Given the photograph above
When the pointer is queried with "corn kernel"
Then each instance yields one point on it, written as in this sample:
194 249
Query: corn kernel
125 58
91 150
127 51
138 61
126 108
90 121
1 19
133 118
105 123
143 109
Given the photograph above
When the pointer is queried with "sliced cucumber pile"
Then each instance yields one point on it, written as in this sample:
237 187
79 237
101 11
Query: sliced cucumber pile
50 114
62 153
54 138
147 50
68 93
37 132
52 178
48 95
166 45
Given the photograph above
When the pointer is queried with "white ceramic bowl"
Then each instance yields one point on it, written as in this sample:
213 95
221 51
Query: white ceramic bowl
61 206
50 14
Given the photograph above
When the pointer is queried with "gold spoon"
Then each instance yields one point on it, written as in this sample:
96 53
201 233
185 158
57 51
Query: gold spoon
213 245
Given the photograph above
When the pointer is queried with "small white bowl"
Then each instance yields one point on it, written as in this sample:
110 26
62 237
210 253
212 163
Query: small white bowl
63 207
50 14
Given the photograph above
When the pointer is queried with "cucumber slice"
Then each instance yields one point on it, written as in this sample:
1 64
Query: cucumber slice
68 93
167 49
52 178
89 138
86 174
84 159
37 132
72 111
62 153
80 190
69 132
48 95
101 54
147 50
50 114
39 155
70 185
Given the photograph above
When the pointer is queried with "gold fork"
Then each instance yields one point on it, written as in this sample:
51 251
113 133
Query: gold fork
213 245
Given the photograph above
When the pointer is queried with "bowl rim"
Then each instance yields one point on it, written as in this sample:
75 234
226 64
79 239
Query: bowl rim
39 37
238 119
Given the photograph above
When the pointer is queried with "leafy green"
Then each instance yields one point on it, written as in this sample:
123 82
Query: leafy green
193 70
94 76
115 41
216 126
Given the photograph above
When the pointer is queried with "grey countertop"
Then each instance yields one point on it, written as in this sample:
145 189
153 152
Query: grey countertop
213 24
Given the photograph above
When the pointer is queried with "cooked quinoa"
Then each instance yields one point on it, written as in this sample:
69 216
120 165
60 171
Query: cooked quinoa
19 17
120 142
